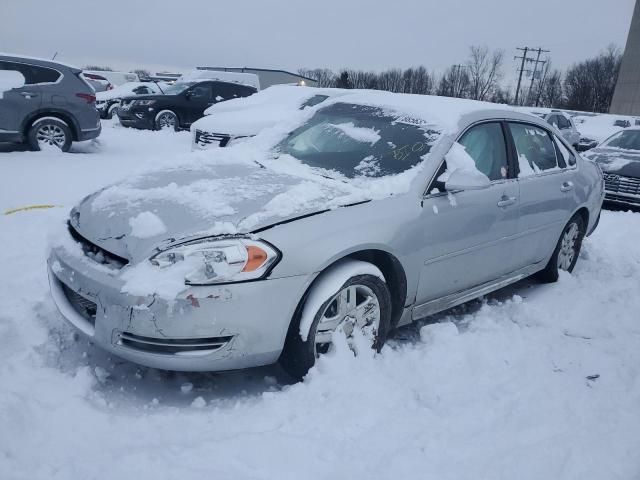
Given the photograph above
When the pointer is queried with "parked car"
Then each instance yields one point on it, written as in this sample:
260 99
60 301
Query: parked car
114 78
54 107
108 102
376 210
182 104
619 158
97 82
595 129
561 121
227 122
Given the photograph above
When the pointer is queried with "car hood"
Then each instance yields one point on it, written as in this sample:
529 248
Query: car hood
132 218
618 161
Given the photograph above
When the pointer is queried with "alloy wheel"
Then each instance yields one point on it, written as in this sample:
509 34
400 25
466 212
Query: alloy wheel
355 306
49 134
166 120
568 247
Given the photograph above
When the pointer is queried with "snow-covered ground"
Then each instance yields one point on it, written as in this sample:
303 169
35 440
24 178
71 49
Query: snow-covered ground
534 382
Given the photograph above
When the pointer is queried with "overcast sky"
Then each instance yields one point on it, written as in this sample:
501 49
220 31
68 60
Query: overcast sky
290 34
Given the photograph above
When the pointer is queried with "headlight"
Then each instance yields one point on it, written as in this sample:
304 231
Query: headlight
144 102
210 261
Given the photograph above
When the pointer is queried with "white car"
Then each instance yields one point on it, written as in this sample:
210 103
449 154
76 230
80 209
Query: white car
235 119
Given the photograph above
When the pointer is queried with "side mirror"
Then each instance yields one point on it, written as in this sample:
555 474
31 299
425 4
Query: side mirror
463 179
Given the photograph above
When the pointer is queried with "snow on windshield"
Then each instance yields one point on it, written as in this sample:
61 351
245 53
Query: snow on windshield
359 134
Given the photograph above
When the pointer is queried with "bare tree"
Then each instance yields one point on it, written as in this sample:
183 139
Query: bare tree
454 82
589 85
485 70
324 77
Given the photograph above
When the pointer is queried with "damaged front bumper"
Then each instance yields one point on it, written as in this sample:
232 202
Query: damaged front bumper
211 328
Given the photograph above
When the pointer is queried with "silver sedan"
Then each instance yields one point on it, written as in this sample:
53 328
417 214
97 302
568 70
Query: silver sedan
371 212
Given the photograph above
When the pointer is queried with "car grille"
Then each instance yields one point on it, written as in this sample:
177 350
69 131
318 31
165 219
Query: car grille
96 253
80 304
167 346
619 184
206 138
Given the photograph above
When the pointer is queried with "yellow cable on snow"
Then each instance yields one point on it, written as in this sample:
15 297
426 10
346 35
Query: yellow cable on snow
30 207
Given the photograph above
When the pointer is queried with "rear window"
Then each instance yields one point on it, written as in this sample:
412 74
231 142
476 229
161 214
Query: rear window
33 74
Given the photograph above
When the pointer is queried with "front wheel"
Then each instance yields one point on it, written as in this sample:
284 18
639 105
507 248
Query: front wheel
49 132
566 252
362 303
166 120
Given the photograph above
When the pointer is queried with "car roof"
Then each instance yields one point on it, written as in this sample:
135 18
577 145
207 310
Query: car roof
13 57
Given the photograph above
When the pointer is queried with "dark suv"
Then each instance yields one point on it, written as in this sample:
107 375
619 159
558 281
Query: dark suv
182 104
55 106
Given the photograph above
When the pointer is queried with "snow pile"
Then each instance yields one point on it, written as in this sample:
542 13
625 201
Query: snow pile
146 225
460 163
249 115
536 381
10 79
359 134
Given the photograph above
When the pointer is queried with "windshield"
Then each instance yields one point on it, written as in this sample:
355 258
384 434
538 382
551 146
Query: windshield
626 139
357 140
177 88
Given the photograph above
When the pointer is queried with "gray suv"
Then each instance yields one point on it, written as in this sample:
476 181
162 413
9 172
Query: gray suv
54 107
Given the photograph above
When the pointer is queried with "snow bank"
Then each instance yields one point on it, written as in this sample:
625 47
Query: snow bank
10 79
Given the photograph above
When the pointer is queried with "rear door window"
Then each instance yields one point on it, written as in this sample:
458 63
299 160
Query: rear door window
33 74
535 149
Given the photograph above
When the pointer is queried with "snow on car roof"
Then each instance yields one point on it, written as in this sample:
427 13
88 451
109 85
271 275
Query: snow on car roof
248 79
126 89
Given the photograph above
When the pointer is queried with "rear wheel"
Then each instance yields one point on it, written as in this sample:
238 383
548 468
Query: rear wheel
567 250
362 303
166 120
113 111
49 132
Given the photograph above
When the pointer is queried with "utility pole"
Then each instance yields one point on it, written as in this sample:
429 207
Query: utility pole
524 58
535 69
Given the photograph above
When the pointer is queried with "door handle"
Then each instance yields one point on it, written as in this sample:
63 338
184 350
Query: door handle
28 94
506 201
566 186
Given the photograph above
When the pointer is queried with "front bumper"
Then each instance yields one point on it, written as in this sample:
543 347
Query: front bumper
137 117
215 328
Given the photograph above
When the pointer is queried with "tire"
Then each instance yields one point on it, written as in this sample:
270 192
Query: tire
49 132
299 355
165 120
113 111
566 252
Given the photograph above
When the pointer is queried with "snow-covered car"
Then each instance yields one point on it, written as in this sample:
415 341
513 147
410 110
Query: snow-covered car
595 129
226 122
619 158
559 120
114 78
107 102
372 211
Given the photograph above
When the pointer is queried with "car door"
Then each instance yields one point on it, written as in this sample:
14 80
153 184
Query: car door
198 98
16 104
469 235
547 196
